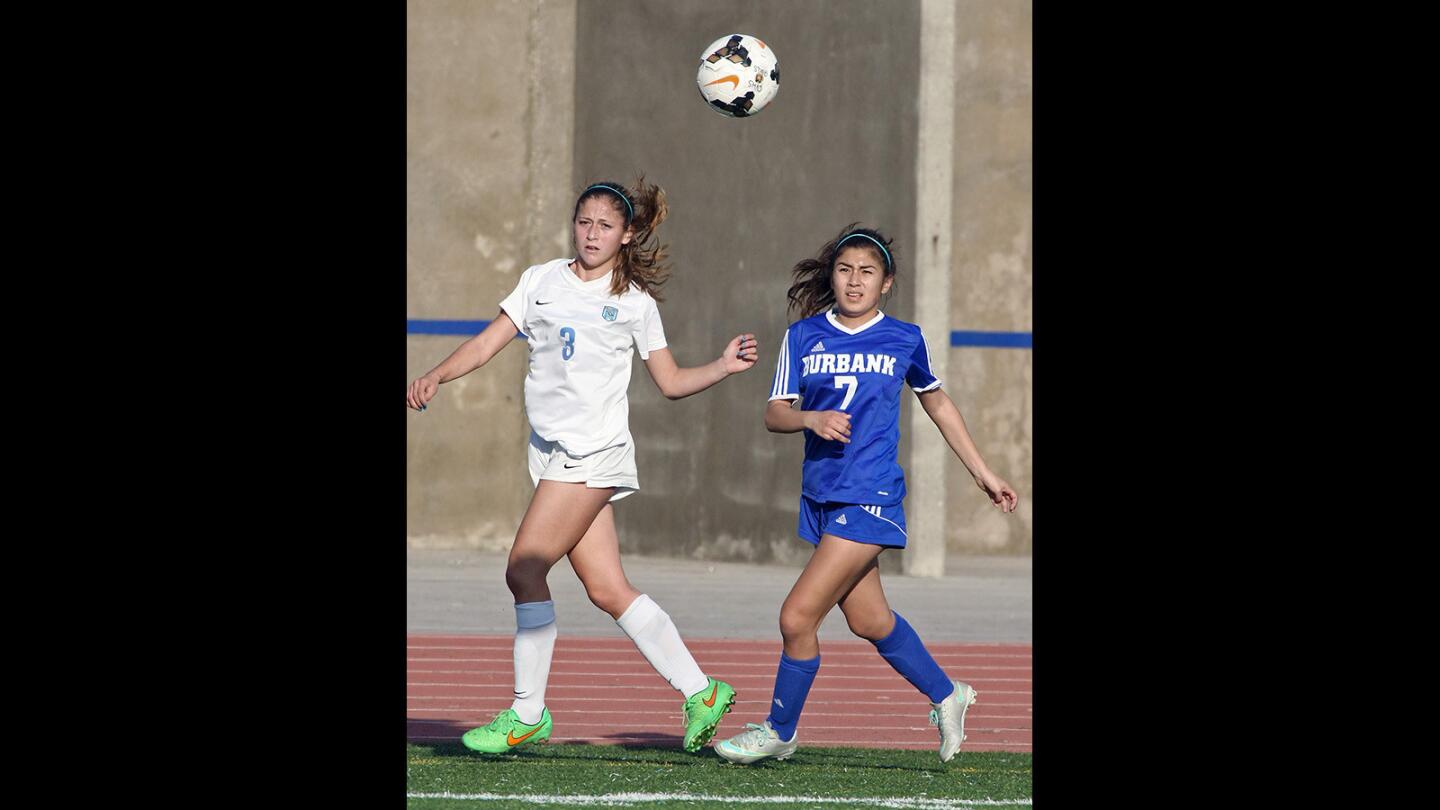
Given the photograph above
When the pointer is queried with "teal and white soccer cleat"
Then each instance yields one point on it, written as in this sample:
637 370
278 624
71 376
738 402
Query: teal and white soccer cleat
506 733
949 716
703 711
759 742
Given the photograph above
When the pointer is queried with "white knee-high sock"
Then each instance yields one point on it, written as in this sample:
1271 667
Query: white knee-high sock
534 643
658 640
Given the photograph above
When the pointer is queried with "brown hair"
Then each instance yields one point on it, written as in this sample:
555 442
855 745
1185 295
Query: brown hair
641 261
811 293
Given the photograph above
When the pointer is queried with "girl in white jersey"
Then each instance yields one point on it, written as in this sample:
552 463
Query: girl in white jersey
842 369
581 316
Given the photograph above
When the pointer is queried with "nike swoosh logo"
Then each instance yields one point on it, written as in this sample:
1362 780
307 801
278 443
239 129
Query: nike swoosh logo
711 701
733 80
571 466
511 739
543 303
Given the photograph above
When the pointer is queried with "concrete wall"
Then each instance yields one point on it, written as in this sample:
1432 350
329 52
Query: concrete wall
514 107
489 140
750 197
990 287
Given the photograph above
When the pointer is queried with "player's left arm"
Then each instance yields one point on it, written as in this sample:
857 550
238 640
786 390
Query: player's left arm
677 383
942 411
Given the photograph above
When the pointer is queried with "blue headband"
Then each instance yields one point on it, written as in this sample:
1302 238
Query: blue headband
617 191
888 263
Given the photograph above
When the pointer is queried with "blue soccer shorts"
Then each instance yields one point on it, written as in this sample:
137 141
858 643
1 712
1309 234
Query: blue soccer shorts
877 525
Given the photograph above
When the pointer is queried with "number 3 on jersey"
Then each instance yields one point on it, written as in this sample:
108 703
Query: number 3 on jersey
568 351
848 383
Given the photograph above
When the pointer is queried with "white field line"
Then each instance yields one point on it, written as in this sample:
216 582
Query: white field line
629 799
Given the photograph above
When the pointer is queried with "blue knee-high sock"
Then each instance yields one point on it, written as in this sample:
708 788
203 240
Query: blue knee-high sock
792 684
907 654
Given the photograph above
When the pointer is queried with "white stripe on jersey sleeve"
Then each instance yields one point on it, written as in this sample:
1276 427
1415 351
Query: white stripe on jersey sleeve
780 389
930 367
775 384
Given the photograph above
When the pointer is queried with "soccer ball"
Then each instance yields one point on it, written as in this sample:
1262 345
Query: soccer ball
738 75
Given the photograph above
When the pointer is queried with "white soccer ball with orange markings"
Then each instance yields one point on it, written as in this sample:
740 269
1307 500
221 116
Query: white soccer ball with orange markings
739 75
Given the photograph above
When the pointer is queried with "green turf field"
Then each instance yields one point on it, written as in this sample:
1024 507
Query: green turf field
593 775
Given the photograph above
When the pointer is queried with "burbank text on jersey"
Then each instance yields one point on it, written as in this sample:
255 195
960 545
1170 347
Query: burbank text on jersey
847 364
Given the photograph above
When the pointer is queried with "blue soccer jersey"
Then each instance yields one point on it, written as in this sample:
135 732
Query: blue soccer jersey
831 367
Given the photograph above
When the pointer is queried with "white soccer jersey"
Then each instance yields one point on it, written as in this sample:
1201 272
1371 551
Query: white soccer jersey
580 340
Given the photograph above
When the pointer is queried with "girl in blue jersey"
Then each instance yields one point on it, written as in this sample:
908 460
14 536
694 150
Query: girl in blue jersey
582 317
839 377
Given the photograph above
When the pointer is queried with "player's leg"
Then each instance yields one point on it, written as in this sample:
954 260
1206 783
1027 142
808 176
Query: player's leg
832 571
558 516
596 560
870 617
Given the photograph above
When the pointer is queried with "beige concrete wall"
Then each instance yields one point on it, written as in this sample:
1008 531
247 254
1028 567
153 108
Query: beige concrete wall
513 106
990 288
489 122
749 198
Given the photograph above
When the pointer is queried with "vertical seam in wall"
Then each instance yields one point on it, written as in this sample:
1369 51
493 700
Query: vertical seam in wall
934 188
550 124
532 100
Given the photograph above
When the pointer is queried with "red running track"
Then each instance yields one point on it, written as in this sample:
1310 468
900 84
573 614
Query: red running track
603 691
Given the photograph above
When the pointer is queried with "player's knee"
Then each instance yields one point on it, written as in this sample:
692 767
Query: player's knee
612 598
796 622
870 628
523 574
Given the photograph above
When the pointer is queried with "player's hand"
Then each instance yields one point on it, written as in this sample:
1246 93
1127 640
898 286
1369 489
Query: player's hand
1001 494
832 425
740 355
421 391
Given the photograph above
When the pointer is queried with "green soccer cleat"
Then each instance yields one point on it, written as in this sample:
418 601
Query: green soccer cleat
703 711
506 733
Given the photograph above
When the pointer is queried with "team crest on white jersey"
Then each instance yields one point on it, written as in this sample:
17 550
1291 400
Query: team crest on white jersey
609 313
818 347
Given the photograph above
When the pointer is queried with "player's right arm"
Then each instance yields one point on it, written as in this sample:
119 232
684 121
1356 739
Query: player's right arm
782 416
471 354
